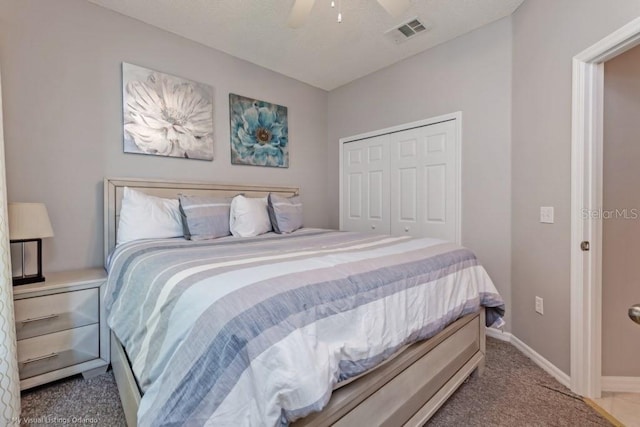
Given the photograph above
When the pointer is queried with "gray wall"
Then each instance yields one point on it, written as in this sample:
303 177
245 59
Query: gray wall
546 35
61 71
621 233
511 79
473 74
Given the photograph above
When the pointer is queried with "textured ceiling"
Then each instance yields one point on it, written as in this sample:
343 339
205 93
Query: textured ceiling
322 53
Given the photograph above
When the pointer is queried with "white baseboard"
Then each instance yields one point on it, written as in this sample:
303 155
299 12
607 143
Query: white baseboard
499 334
549 367
621 384
612 384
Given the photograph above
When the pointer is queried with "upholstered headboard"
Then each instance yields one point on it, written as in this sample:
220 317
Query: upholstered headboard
114 188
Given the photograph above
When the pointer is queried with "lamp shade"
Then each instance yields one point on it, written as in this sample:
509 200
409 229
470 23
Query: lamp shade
29 221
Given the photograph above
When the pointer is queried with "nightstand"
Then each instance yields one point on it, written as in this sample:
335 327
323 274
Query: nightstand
61 327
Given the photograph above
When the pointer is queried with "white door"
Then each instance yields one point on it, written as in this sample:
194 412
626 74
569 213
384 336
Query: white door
424 181
366 185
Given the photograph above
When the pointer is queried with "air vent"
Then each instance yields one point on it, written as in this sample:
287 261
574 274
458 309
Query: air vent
412 28
407 30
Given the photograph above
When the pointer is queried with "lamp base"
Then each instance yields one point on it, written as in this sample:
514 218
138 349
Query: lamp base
34 278
25 279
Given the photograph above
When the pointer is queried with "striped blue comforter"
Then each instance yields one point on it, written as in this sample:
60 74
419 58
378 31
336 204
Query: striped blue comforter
257 331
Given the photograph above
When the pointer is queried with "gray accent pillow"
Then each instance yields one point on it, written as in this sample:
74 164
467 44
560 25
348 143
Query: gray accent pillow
285 213
205 217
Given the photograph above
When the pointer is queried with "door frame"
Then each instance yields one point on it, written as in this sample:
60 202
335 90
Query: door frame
586 202
457 117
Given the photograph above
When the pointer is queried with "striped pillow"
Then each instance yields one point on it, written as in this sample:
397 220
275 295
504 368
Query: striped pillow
205 217
285 213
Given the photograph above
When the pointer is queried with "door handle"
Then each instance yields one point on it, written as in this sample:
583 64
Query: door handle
634 313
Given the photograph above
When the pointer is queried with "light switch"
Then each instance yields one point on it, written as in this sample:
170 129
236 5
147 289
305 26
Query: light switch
546 214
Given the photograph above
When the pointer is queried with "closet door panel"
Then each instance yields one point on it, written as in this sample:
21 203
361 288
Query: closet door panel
406 177
366 180
356 195
436 187
439 187
378 185
403 183
405 205
353 192
376 195
408 203
423 181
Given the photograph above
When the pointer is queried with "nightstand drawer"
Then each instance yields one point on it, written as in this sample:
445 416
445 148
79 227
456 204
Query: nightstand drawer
47 353
56 312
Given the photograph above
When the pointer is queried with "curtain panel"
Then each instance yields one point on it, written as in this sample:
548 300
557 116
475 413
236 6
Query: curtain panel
9 381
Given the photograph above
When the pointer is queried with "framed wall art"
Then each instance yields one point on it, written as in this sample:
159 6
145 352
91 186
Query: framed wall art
259 132
165 115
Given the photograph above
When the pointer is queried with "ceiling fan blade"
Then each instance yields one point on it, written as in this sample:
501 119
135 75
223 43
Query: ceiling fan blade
299 13
395 7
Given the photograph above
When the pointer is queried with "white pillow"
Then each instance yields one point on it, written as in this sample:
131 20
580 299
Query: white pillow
249 216
148 217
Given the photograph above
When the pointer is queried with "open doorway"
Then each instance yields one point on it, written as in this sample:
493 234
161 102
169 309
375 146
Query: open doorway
621 236
587 202
621 217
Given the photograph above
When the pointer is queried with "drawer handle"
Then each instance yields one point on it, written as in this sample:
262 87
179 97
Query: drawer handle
37 359
37 319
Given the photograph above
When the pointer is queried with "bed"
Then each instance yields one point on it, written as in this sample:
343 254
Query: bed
401 380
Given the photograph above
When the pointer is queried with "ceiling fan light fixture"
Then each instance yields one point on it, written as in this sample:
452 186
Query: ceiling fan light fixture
300 12
395 7
302 8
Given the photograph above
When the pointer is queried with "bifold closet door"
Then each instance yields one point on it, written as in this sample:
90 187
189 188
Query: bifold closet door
423 168
366 183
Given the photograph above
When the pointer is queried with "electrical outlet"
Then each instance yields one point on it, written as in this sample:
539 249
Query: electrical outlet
546 214
539 305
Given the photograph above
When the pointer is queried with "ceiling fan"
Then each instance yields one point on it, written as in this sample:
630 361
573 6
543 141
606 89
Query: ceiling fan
302 8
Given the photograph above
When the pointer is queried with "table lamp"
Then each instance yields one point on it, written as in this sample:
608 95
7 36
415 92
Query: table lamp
29 222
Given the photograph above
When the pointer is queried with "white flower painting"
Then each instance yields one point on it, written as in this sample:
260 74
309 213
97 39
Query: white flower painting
166 115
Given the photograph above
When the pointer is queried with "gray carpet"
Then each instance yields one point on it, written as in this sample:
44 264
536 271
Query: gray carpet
73 402
513 392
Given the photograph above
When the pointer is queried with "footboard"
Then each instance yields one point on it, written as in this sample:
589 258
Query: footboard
411 387
407 390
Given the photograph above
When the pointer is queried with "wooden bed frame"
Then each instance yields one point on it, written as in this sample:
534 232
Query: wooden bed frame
405 390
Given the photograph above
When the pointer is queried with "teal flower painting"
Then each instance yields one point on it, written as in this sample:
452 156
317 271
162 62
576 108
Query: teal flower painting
259 132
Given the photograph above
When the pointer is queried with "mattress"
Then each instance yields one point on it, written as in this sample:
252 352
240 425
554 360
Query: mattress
258 331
